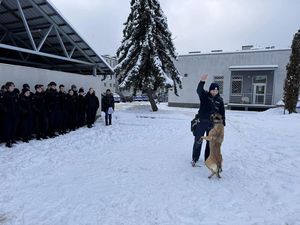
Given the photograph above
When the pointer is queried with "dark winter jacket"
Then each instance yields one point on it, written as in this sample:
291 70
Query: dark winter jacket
26 116
39 103
26 108
72 104
92 102
1 103
107 101
209 104
62 101
52 100
11 105
81 103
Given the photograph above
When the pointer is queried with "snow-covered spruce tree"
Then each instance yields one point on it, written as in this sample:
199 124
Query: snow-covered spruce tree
292 81
145 57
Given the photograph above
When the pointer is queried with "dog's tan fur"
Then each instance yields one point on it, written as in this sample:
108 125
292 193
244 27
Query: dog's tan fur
215 138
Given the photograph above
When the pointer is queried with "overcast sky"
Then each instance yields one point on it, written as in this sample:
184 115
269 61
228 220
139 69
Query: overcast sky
196 25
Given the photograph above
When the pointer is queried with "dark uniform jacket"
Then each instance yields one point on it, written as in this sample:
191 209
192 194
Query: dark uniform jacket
209 104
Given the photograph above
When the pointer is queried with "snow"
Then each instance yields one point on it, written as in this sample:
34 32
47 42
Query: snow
280 103
253 67
138 171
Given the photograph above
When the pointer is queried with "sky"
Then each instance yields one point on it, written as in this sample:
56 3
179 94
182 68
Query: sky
196 25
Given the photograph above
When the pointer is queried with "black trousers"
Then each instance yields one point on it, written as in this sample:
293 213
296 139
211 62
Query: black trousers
107 118
202 128
41 124
90 117
26 124
81 119
9 129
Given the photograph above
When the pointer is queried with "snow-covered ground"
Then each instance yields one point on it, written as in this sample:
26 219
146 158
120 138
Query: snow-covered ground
137 172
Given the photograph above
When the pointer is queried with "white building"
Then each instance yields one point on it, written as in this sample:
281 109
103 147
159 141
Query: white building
248 78
110 82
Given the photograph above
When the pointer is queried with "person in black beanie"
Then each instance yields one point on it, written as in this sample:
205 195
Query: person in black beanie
26 115
71 109
108 106
92 103
10 114
81 108
52 101
210 102
40 113
62 110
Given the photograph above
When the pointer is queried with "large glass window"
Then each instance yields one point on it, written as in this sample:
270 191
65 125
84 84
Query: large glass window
236 85
220 81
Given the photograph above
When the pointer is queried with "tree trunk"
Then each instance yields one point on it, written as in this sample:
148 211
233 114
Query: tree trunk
151 100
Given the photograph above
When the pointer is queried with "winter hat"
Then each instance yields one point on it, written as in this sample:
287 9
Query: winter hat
107 90
81 90
24 90
8 84
60 86
26 86
214 86
73 86
37 86
52 83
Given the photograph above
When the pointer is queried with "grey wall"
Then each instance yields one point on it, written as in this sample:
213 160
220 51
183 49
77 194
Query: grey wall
20 75
217 64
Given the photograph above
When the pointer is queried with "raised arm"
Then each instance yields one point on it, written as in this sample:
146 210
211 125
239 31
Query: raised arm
200 89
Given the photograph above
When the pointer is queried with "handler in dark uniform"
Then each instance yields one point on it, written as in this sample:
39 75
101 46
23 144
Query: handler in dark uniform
210 102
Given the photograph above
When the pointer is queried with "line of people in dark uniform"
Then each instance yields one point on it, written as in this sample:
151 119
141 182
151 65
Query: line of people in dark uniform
44 114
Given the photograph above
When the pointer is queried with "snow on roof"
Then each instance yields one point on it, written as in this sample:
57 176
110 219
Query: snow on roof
253 67
237 52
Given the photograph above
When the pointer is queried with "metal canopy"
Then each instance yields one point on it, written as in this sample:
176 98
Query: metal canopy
33 33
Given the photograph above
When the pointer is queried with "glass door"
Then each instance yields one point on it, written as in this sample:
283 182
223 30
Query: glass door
259 94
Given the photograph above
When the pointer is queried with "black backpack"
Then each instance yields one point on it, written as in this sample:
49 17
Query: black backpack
194 123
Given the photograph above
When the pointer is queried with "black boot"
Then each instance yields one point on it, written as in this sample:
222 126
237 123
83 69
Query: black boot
8 144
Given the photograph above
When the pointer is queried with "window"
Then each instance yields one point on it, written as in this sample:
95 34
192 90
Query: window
260 79
110 84
236 85
104 84
220 81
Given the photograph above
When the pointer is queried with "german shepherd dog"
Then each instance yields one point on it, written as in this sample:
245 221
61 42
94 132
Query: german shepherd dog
215 138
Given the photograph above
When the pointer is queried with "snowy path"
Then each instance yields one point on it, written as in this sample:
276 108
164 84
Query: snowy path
137 172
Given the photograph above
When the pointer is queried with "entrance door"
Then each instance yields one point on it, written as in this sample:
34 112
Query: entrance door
259 94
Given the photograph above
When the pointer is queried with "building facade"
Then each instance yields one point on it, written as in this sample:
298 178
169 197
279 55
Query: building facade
110 82
247 78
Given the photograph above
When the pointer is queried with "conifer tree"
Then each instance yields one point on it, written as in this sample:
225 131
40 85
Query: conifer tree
292 81
147 53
